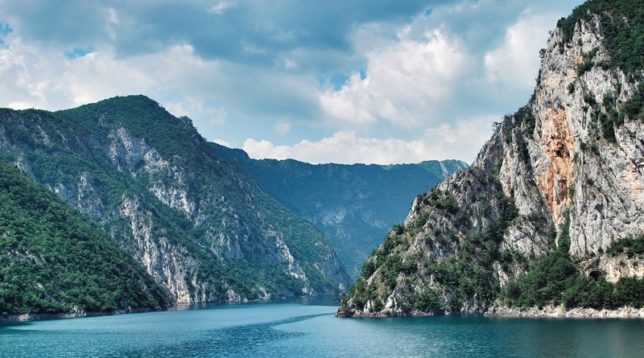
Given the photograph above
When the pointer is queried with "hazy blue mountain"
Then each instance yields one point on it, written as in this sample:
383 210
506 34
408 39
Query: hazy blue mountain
354 205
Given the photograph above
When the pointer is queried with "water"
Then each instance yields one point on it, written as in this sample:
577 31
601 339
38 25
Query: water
310 330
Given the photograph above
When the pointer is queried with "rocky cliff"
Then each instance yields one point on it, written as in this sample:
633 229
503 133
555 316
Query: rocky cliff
551 210
353 205
198 225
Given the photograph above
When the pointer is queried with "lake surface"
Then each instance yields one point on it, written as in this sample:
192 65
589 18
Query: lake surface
310 329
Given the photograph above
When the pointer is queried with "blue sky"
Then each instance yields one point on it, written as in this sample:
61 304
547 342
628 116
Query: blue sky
369 81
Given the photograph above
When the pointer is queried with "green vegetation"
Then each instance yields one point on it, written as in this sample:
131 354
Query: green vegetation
466 274
587 64
611 117
462 273
470 271
143 118
612 113
232 210
589 98
360 294
552 280
53 260
555 280
634 107
428 301
630 247
622 25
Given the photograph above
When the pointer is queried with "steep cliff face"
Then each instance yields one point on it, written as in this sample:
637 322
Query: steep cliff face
560 181
197 224
354 205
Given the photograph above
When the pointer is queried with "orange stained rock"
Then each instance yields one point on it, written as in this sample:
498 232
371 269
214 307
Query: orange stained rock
558 142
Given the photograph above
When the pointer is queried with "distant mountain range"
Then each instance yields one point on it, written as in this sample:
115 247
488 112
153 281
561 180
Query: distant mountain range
354 205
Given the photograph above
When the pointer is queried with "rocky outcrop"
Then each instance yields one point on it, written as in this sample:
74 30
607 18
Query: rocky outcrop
565 172
562 312
197 224
168 262
613 268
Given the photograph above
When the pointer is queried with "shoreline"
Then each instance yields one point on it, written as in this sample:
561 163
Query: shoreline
562 312
559 312
28 317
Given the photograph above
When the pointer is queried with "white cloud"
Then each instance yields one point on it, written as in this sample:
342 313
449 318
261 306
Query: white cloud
220 6
512 64
405 81
444 142
47 79
213 93
20 105
438 71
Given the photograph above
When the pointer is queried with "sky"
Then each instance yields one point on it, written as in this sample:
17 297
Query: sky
370 81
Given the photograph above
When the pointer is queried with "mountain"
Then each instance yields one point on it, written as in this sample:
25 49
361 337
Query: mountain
353 205
197 224
53 260
551 212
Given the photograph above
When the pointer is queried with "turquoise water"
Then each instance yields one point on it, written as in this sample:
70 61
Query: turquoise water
311 330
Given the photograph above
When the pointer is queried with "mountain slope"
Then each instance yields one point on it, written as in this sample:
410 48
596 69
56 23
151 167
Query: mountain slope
197 224
550 213
52 260
354 205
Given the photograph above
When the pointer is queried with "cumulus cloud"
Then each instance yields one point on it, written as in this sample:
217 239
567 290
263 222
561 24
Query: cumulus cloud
405 81
48 79
252 31
512 64
399 79
461 140
187 85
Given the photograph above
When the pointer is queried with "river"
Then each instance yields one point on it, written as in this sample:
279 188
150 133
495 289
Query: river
310 329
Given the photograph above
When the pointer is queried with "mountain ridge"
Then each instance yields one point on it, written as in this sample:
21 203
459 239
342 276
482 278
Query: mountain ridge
542 216
197 224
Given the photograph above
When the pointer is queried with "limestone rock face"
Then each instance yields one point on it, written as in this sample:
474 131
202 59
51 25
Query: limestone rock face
198 225
569 161
598 180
